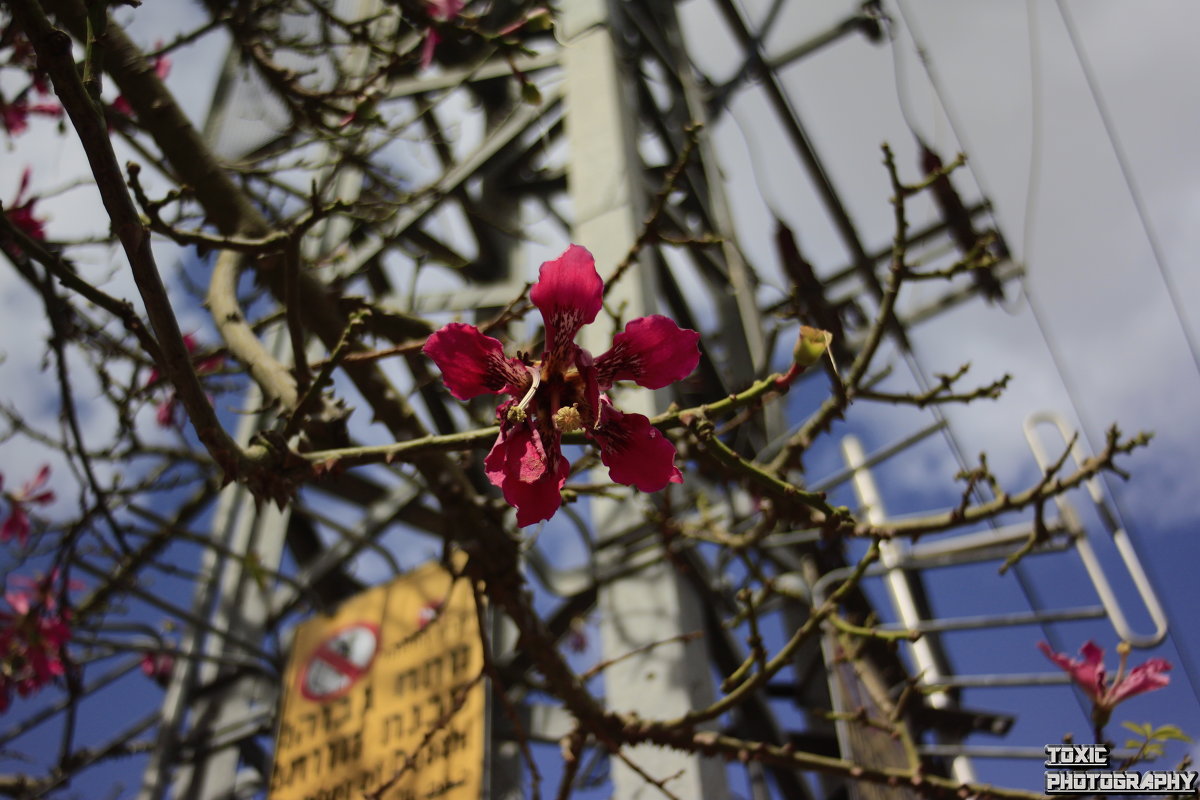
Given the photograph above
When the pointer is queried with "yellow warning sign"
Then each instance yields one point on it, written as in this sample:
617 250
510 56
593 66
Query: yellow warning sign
384 698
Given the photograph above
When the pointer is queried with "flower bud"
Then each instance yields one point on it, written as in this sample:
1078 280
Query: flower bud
811 344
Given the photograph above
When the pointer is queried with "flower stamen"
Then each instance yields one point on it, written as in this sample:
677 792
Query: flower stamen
536 375
568 419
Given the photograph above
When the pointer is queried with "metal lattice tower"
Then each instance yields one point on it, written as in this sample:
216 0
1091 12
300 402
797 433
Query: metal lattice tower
621 153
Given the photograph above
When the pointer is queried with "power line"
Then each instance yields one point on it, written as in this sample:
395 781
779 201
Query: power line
1187 662
1032 598
1127 175
1032 180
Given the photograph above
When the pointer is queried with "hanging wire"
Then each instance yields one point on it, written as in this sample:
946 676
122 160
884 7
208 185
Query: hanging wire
1187 662
915 367
1160 261
1033 177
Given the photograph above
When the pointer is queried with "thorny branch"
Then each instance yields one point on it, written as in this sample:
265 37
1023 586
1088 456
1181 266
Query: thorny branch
350 424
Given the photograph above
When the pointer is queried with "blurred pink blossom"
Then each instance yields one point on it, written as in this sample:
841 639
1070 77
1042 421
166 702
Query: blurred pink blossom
439 11
158 665
33 637
17 525
1088 673
167 411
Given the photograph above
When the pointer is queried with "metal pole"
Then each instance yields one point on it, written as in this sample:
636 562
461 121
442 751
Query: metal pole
891 554
604 180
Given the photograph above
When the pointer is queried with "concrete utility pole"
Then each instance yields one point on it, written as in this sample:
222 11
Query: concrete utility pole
654 604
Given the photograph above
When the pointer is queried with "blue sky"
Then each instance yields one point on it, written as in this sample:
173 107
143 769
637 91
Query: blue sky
1008 81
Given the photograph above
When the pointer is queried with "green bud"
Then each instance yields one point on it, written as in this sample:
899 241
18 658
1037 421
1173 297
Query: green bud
530 94
811 345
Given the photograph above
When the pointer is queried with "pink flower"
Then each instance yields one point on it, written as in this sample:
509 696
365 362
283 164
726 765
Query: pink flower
562 392
167 412
444 10
15 115
17 525
1090 676
158 665
439 11
24 57
36 592
33 637
21 213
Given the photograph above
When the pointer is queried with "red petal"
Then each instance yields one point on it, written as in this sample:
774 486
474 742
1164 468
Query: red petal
210 364
36 482
537 501
16 526
164 414
569 295
634 451
473 364
519 464
652 351
18 600
14 117
1088 674
428 47
1144 678
517 454
162 67
26 179
444 10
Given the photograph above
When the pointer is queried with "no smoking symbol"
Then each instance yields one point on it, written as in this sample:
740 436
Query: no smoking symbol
339 662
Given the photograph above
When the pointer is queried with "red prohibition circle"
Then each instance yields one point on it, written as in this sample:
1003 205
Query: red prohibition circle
339 662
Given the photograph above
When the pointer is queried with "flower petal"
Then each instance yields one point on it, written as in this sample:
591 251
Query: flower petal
1088 673
652 351
589 405
162 65
18 600
428 47
569 295
17 525
23 186
1144 678
634 451
473 364
165 412
444 10
517 453
529 474
36 482
537 501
